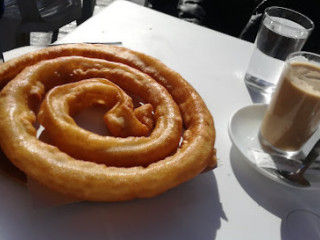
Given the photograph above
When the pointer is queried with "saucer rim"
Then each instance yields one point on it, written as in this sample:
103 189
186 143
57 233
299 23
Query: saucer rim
257 109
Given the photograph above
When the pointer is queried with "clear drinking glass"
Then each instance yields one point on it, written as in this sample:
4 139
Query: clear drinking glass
282 31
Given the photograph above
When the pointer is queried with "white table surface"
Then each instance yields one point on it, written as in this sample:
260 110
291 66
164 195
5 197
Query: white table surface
233 201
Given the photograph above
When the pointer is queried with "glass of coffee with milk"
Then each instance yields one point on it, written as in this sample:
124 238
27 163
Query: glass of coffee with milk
293 114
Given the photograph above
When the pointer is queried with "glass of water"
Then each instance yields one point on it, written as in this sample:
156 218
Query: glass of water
282 31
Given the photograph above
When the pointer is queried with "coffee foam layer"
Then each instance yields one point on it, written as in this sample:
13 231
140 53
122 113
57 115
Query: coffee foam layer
306 77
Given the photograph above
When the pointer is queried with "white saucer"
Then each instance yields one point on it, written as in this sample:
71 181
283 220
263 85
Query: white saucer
243 130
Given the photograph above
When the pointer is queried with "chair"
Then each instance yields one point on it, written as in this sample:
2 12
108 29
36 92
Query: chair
47 16
87 10
36 16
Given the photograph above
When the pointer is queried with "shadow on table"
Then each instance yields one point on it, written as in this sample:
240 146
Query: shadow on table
190 211
280 200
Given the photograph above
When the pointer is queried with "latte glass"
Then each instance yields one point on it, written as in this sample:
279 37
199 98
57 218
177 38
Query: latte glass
293 114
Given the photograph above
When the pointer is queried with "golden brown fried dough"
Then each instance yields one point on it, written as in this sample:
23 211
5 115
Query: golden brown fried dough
141 165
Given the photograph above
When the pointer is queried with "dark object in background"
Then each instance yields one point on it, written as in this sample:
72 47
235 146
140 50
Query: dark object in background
239 18
227 16
192 11
1 7
310 8
24 16
87 10
165 6
46 16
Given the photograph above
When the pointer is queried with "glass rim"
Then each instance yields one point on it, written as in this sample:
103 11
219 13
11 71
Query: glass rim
303 54
291 11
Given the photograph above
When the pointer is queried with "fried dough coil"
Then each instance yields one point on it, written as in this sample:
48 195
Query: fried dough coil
29 77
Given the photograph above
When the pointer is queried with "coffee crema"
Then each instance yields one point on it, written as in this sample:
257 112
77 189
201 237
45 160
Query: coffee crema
294 112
